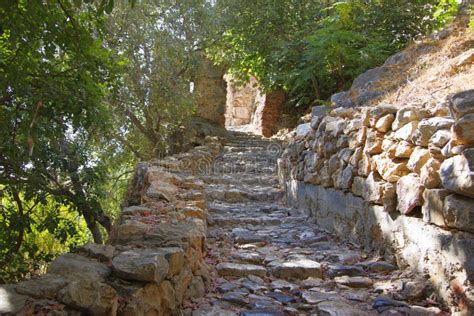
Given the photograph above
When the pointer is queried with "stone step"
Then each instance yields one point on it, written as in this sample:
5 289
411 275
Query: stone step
242 221
240 270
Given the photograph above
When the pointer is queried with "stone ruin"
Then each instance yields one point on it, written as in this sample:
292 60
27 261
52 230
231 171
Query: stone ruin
247 105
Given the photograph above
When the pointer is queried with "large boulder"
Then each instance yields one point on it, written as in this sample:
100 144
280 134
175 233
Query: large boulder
365 87
90 296
457 173
45 286
342 99
141 265
463 130
459 212
461 103
72 265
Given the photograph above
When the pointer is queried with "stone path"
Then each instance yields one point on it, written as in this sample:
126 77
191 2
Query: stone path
267 259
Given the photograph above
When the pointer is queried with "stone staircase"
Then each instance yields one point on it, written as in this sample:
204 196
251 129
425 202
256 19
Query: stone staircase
267 259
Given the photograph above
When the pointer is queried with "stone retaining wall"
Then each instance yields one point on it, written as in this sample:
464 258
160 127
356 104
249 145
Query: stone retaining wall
402 178
153 262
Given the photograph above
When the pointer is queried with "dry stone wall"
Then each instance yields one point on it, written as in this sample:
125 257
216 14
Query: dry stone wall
399 180
153 262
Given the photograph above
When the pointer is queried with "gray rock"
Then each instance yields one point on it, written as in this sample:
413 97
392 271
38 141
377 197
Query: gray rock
90 296
342 99
415 289
440 138
227 287
320 111
280 297
363 85
315 297
461 103
297 269
235 298
458 212
457 173
355 282
10 300
102 253
303 130
433 205
427 128
72 265
252 286
380 266
141 265
45 286
397 59
349 270
383 303
359 296
463 130
283 285
240 270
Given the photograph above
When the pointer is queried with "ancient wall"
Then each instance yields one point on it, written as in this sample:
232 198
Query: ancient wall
248 105
267 114
241 101
210 87
396 180
153 262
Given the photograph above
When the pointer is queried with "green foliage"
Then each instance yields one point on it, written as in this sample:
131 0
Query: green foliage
54 75
158 44
312 49
46 230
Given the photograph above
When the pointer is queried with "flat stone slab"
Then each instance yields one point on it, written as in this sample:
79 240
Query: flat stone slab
296 269
45 286
355 282
240 270
141 265
315 297
72 265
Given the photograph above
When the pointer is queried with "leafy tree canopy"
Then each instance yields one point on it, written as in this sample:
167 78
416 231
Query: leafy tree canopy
312 49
